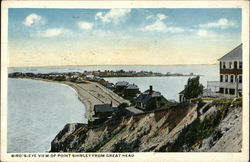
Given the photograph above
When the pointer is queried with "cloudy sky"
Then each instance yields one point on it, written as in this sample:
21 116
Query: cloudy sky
52 37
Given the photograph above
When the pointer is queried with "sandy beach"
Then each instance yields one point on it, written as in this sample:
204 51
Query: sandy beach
91 93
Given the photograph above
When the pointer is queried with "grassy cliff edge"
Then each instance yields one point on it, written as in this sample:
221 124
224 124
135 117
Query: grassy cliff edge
196 126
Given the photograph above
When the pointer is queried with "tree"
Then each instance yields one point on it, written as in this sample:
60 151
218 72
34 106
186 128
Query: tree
193 88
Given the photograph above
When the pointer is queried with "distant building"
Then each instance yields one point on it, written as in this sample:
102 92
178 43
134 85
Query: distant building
90 77
150 100
131 90
104 110
230 84
108 85
100 80
181 97
120 87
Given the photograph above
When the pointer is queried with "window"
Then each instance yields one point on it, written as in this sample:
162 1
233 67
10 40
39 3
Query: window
230 65
240 79
232 91
235 78
221 78
240 65
226 78
235 64
224 65
221 90
232 79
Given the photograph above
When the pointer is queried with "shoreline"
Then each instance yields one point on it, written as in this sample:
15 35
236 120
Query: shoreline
90 94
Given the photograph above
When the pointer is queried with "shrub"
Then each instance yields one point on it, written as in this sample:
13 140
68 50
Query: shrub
193 88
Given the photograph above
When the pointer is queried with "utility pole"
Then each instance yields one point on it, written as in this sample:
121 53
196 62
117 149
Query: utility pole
236 88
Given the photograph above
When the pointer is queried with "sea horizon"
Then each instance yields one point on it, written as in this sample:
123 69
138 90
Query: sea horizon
109 65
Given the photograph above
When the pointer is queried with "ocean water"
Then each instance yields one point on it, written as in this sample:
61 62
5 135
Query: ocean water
168 86
37 111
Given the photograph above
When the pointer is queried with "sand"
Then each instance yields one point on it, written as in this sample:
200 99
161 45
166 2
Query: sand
91 93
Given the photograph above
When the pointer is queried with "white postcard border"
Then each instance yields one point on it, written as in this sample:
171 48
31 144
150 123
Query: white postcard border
243 156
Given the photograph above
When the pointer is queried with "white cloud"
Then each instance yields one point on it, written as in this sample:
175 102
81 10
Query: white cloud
158 26
33 19
161 16
149 17
221 23
114 15
175 29
53 32
205 33
85 25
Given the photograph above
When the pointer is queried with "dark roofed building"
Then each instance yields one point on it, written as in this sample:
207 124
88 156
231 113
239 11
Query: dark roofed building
121 84
131 91
132 86
150 100
182 97
104 110
108 85
120 87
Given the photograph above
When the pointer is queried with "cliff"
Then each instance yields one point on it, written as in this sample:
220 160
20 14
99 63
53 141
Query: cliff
210 126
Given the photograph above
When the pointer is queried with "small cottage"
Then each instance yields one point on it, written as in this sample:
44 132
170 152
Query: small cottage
150 100
131 91
108 85
104 110
120 87
182 97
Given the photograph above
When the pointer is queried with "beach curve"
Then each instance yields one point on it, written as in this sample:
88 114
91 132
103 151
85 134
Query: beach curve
92 93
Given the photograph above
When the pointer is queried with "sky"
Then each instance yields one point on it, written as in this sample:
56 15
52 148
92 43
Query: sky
121 36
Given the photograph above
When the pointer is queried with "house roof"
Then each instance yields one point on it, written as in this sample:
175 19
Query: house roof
153 94
182 92
146 96
235 54
122 83
104 108
132 86
107 84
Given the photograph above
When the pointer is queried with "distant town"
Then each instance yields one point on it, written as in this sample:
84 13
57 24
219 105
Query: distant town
92 75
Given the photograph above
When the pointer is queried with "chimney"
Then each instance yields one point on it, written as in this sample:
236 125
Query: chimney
150 89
